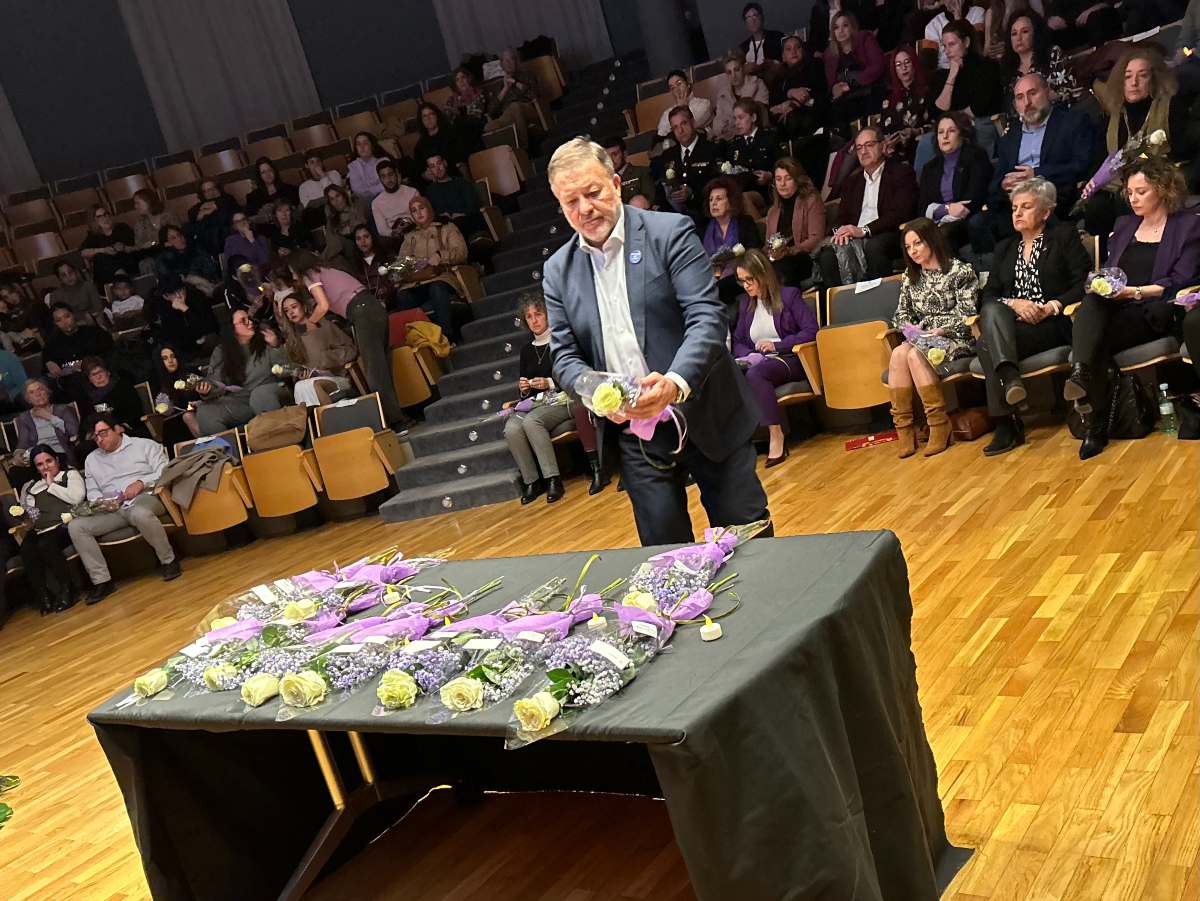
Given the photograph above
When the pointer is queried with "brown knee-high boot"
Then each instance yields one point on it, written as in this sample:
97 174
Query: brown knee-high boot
935 414
902 417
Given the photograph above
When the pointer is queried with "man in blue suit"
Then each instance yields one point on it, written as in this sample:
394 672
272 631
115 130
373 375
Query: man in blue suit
634 294
1054 143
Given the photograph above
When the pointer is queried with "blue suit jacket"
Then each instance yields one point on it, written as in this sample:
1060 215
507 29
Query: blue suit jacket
1068 151
679 320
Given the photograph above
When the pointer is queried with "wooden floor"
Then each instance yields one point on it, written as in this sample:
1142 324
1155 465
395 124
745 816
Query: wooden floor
1056 638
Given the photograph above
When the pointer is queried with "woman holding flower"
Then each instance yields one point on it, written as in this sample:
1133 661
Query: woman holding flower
1158 249
171 378
772 320
937 293
797 217
56 585
728 229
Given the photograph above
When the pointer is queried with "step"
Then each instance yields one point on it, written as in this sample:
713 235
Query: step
487 327
537 197
546 214
495 302
463 493
488 374
429 438
491 348
482 458
471 404
525 278
530 256
542 232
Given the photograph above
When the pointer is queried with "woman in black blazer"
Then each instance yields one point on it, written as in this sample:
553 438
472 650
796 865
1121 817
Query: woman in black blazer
950 202
1036 275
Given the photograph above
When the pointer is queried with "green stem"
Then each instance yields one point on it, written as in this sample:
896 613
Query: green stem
579 582
737 602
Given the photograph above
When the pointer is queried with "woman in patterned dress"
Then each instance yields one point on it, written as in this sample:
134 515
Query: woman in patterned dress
937 293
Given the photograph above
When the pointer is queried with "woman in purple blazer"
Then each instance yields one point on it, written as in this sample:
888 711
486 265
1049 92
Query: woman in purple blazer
1158 248
771 321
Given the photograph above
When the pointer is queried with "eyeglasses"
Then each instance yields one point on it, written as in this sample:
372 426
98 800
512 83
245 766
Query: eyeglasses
750 280
100 433
102 215
864 145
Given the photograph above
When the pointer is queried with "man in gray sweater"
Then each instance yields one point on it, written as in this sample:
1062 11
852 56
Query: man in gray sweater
121 471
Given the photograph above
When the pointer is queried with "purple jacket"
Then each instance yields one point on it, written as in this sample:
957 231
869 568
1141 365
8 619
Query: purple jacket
795 324
1177 263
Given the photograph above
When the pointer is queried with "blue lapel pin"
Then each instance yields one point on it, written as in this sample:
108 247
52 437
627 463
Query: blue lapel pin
635 256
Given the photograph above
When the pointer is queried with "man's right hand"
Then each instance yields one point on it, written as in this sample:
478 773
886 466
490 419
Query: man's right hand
53 368
204 388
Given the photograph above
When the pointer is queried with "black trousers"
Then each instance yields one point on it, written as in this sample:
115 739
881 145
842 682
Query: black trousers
1191 336
1100 214
42 554
881 251
1106 327
1006 339
794 269
655 481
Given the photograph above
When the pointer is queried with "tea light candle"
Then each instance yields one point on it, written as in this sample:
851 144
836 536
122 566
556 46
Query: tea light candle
597 622
710 631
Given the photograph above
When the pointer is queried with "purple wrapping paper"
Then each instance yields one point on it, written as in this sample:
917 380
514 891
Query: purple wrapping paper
316 580
584 606
554 625
366 600
644 428
379 573
242 629
694 605
627 615
407 627
342 631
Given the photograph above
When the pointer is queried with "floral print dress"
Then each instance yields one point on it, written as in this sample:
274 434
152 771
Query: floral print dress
942 300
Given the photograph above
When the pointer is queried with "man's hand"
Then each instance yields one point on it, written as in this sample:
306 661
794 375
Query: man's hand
133 489
658 392
539 384
959 210
846 232
204 388
762 176
1018 174
522 384
839 89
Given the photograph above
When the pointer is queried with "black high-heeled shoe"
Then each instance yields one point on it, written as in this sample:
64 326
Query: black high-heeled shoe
775 461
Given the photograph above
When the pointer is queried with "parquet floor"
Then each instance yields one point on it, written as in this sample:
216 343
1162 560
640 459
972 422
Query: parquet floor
1057 637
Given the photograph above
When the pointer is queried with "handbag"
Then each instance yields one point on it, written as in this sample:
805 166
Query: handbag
277 428
971 423
1189 419
1131 413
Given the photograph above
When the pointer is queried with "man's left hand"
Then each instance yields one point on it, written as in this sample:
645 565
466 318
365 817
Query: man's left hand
133 489
658 392
846 232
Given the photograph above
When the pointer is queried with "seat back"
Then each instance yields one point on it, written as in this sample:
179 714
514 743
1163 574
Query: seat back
848 304
37 211
281 480
499 166
408 379
230 435
175 174
240 189
181 205
651 88
439 96
78 201
222 161
319 135
850 350
403 110
349 414
42 246
548 74
273 148
647 113
398 324
701 71
709 87
349 465
348 126
122 189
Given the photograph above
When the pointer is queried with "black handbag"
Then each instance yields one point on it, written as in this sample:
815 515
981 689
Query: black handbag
1131 413
1189 419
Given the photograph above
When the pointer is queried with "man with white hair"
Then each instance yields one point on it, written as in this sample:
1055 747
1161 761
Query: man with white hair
634 295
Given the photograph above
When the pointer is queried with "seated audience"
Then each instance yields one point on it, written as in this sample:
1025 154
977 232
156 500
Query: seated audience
1052 142
799 105
529 433
937 293
752 148
77 293
342 216
512 104
170 367
1080 23
185 260
312 189
152 217
680 87
211 219
452 196
438 138
19 319
687 166
285 232
763 45
335 291
322 348
772 320
12 382
972 84
728 226
371 255
54 491
876 200
240 384
1037 274
127 309
637 187
108 248
467 106
122 471
439 246
184 319
952 10
110 394
908 109
68 345
797 215
738 86
244 242
997 19
364 172
853 70
1158 248
1141 96
954 184
45 422
1030 49
270 191
390 206
820 23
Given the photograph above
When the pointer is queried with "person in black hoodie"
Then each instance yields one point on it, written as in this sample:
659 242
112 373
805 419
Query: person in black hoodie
954 184
113 395
211 220
184 318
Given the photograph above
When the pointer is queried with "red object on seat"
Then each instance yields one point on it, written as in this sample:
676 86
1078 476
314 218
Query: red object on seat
398 322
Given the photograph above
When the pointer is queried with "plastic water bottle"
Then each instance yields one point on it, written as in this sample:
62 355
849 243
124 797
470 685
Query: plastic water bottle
1168 421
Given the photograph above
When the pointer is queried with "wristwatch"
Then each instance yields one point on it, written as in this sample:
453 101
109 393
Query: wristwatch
1137 293
866 230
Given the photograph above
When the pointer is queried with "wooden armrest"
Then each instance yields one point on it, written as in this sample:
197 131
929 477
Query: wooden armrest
308 461
164 497
387 448
811 364
241 486
891 336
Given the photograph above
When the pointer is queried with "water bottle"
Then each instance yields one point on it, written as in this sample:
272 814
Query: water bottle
1168 421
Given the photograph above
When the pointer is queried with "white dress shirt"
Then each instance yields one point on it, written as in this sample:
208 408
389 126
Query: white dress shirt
622 352
870 203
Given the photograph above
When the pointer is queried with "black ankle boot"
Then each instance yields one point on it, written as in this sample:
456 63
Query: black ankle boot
532 490
1010 434
1079 382
554 489
1094 443
599 479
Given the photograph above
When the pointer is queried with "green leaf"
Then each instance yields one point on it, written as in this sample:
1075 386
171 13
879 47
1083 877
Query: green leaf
558 675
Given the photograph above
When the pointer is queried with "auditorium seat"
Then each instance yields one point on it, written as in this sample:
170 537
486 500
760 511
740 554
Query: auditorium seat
549 75
274 148
401 110
849 347
439 96
319 135
500 166
810 387
83 199
349 126
176 174
221 162
358 455
31 249
37 211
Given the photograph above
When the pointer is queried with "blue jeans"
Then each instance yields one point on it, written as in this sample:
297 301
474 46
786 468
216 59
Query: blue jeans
434 298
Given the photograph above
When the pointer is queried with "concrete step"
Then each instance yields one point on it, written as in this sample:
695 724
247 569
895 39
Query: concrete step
488 374
463 493
429 438
482 458
491 348
480 404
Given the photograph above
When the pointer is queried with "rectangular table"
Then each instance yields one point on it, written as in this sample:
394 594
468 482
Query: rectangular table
791 753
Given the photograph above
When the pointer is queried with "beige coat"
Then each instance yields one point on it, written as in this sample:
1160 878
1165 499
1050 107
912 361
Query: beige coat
444 239
808 223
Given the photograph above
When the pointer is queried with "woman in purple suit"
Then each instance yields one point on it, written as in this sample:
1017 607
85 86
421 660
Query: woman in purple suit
1158 248
772 320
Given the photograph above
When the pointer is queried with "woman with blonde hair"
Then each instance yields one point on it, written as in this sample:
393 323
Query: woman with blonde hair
797 216
772 320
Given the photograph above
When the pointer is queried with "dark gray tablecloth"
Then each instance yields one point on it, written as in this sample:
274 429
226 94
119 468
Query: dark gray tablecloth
791 753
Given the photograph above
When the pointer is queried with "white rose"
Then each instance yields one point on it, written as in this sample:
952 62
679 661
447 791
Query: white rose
738 249
1158 136
150 683
302 689
397 690
670 174
726 167
462 694
643 600
66 518
297 611
16 510
259 689
180 384
161 408
217 678
276 369
221 622
534 714
383 270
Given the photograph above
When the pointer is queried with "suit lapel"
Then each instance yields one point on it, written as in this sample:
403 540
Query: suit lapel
635 273
581 285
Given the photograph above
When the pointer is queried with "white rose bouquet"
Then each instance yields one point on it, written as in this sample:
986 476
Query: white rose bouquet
1107 282
606 393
